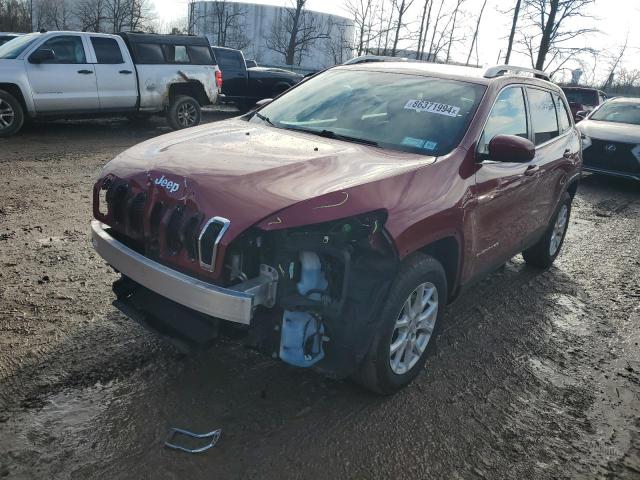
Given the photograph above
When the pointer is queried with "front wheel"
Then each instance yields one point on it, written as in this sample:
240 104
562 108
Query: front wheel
11 114
543 253
409 322
184 112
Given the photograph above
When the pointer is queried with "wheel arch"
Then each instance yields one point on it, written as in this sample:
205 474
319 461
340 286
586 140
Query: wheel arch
16 91
446 250
192 88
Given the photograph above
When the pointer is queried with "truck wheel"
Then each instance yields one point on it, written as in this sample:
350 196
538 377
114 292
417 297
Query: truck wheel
184 112
543 253
410 319
11 114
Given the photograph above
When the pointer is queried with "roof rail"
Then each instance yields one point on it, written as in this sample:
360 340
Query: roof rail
500 70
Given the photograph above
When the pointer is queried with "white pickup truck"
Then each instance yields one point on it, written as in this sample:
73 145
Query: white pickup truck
67 74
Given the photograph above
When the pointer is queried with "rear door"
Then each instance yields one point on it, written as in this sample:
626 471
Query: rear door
115 73
557 148
234 72
66 83
505 191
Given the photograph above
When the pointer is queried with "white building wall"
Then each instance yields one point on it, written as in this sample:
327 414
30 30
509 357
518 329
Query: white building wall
256 26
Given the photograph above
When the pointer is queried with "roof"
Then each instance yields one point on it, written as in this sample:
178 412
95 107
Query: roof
164 39
624 100
469 74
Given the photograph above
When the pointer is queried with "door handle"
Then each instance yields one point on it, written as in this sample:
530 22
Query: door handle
125 72
85 72
567 153
532 170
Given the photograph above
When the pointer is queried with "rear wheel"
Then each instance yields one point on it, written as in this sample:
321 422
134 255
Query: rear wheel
543 253
184 112
410 320
11 114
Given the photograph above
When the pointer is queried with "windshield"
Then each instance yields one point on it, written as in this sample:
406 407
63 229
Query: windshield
618 112
13 48
392 110
582 97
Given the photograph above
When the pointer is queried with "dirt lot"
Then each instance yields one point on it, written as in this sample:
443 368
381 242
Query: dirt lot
537 374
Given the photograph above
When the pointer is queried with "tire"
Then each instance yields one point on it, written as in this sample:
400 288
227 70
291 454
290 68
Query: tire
377 372
11 114
184 112
545 251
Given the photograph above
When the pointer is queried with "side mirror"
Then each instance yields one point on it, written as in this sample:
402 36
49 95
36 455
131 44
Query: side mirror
511 148
262 103
581 115
42 55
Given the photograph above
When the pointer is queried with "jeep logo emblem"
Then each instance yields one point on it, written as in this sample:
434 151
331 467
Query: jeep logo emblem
171 187
610 148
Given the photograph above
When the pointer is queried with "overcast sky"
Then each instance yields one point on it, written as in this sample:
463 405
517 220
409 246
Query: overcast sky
614 18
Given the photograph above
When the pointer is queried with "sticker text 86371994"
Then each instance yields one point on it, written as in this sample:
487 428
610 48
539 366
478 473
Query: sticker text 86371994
432 107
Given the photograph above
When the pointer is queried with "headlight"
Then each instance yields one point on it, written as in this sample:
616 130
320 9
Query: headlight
586 141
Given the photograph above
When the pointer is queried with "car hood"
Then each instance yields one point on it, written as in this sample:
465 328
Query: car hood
246 172
612 131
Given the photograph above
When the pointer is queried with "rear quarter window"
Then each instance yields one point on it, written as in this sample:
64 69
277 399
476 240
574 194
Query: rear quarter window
176 54
200 55
149 53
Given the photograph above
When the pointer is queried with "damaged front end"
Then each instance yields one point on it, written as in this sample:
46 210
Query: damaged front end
308 295
332 279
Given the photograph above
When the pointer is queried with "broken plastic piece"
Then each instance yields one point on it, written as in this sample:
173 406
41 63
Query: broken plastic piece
214 436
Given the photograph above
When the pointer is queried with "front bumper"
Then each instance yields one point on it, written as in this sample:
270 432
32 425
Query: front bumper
235 304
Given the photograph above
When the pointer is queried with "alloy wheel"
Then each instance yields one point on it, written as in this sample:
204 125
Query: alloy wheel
413 328
559 228
187 115
7 115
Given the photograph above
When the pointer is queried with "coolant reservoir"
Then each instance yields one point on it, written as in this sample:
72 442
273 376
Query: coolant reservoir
311 276
302 333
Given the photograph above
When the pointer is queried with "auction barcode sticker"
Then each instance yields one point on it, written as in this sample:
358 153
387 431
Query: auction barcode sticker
432 107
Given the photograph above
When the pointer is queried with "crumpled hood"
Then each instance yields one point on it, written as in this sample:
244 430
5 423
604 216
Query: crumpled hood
611 131
245 172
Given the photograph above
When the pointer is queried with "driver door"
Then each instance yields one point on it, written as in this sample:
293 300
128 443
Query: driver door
504 191
67 83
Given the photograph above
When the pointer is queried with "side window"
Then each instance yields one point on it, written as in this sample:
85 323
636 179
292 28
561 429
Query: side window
508 117
229 59
107 50
68 49
200 55
176 54
543 115
149 53
563 115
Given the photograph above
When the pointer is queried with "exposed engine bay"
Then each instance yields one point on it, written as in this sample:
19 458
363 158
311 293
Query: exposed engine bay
329 281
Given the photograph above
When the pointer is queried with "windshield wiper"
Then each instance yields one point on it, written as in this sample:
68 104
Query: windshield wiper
347 138
263 118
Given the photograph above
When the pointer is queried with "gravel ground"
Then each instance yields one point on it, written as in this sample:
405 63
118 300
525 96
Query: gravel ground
537 373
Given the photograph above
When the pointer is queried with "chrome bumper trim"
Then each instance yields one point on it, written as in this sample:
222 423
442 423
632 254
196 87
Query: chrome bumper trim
234 304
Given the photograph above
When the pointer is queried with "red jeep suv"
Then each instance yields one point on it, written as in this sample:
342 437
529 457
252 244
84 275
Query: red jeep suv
332 225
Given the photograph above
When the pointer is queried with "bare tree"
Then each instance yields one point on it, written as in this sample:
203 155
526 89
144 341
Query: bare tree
295 32
475 33
424 28
15 16
90 15
362 12
337 45
432 51
615 62
551 20
455 14
402 8
512 34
